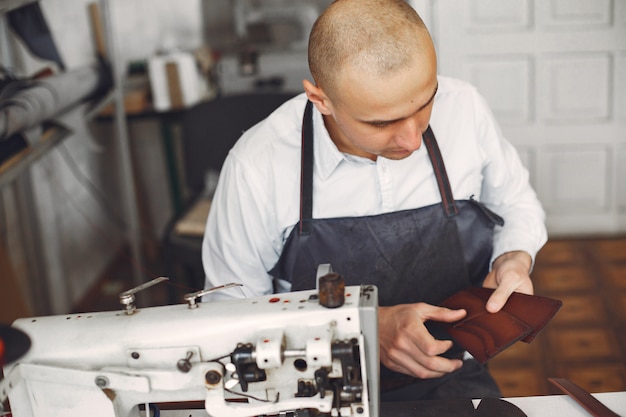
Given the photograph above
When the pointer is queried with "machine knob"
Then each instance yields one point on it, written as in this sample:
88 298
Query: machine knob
184 365
331 290
127 298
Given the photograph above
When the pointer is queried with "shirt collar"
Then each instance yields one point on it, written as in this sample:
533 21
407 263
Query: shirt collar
326 155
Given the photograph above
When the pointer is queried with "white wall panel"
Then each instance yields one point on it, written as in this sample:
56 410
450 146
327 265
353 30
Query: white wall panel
575 87
621 178
505 82
620 88
510 15
579 180
576 14
554 73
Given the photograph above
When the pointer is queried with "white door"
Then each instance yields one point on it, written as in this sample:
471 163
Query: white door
554 73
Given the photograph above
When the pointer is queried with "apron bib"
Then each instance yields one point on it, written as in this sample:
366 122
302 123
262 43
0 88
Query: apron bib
418 255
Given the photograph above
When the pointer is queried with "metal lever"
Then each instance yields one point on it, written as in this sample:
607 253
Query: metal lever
184 365
127 298
191 297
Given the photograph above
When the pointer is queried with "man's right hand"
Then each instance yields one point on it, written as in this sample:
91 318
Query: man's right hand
406 345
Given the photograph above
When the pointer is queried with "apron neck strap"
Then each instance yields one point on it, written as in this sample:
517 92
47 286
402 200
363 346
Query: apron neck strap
447 200
306 172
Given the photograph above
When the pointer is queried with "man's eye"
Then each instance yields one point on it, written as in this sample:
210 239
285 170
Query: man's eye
380 125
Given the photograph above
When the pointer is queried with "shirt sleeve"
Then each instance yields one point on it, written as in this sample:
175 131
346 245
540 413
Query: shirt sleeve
507 190
236 227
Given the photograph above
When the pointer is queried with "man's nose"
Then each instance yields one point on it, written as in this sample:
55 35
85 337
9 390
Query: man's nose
410 135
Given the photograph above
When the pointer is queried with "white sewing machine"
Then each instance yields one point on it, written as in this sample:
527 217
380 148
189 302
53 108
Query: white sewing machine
271 355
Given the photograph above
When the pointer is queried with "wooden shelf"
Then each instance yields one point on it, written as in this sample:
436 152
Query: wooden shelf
14 166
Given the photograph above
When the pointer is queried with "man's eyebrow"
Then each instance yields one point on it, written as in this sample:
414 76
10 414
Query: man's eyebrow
387 122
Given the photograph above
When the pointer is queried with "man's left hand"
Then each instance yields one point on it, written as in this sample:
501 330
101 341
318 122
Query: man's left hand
509 273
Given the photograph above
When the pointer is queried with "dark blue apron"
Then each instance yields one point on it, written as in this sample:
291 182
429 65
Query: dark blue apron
418 255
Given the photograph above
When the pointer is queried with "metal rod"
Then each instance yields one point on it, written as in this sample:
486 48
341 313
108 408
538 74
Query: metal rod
121 129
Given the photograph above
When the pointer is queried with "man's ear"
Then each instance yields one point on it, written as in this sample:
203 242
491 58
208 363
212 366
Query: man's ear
317 96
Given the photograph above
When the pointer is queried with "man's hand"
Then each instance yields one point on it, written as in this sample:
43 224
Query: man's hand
509 273
406 346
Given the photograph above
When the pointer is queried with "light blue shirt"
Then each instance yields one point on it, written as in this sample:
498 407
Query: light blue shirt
257 201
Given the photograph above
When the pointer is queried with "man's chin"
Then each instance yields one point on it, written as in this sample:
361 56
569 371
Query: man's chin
396 155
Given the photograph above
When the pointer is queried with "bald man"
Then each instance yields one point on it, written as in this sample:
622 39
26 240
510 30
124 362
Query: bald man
393 175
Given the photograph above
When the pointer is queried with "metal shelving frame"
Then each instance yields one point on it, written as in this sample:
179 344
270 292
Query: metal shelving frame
14 171
118 69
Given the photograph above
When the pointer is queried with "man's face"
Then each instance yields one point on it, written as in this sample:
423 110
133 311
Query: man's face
383 116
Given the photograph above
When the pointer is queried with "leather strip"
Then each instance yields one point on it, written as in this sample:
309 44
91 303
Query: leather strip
582 397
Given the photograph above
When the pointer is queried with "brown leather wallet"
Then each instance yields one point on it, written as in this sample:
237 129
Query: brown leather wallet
485 334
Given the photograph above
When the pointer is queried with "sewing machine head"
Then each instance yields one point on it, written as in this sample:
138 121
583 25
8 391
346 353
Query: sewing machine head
305 352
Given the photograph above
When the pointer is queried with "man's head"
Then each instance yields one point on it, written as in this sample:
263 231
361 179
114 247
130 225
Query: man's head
374 68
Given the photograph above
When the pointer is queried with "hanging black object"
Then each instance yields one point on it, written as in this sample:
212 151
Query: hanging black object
29 23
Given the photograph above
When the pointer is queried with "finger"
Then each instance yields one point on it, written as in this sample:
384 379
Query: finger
429 346
415 342
498 299
424 366
437 370
423 339
443 314
410 348
512 281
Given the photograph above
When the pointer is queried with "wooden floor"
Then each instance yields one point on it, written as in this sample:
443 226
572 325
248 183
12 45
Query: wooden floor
585 342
